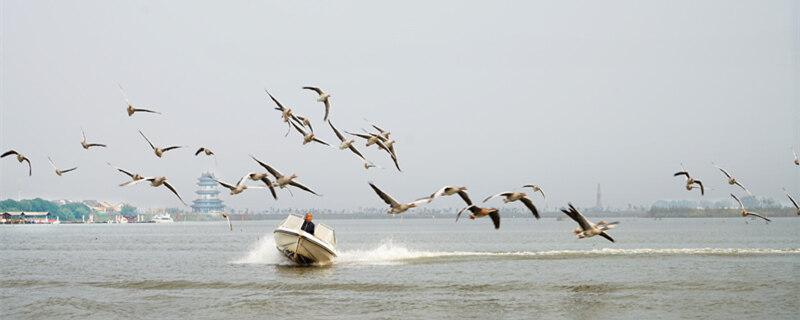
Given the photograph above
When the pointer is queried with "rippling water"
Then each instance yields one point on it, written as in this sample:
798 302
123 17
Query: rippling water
406 268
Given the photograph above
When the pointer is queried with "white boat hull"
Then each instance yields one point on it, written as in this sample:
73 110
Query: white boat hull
302 247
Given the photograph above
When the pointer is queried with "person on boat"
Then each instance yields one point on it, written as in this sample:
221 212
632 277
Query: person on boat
308 226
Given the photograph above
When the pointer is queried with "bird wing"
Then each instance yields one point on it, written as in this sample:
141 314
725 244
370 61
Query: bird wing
376 127
8 153
315 89
436 194
578 217
386 198
266 181
30 169
327 109
121 170
681 173
463 194
360 135
83 134
225 184
171 148
391 153
495 215
51 163
171 188
299 129
199 150
353 148
702 189
320 141
132 182
336 131
125 96
529 203
297 184
791 199
243 179
68 170
280 106
146 110
462 211
743 188
535 188
497 195
737 200
723 171
757 215
148 140
95 145
271 170
605 235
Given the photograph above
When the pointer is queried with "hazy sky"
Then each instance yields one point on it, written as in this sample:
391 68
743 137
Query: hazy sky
491 95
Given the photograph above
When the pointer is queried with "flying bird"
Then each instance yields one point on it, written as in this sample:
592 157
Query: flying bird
746 213
158 151
732 180
514 196
230 226
376 139
395 207
264 177
131 110
286 113
478 212
348 144
240 186
134 176
587 228
690 181
796 160
793 201
323 97
156 182
536 189
59 172
281 181
89 145
308 137
205 150
20 158
382 134
449 191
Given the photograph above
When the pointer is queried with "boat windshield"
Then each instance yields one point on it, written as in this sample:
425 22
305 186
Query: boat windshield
322 232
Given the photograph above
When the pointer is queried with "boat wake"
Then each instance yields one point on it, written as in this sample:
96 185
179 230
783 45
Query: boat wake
389 253
264 252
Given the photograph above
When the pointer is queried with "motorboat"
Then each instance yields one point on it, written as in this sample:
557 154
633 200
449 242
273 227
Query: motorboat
162 218
302 247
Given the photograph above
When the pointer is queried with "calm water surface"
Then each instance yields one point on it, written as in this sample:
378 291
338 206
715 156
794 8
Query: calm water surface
406 268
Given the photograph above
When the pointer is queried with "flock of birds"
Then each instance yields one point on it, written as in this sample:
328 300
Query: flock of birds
272 178
692 183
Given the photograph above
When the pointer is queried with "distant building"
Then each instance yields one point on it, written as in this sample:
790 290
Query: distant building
24 217
208 200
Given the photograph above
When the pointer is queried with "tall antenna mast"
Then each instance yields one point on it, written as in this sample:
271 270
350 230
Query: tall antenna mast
599 204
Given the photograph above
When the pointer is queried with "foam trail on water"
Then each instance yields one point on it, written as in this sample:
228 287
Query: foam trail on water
389 253
386 253
263 252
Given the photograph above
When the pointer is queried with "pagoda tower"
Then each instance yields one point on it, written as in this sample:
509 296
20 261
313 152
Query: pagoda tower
208 200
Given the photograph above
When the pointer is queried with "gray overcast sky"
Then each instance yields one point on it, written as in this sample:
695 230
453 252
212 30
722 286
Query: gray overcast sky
491 95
